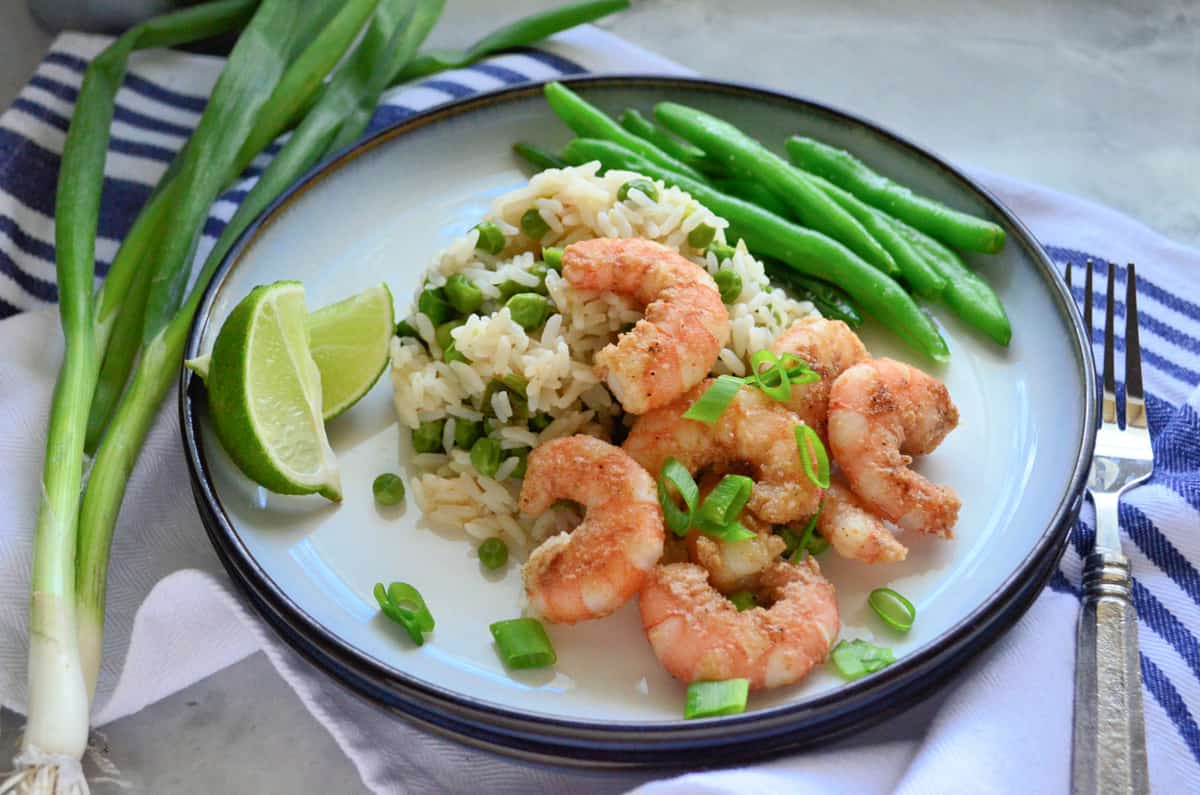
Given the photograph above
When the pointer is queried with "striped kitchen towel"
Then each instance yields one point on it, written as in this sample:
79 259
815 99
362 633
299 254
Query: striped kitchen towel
173 619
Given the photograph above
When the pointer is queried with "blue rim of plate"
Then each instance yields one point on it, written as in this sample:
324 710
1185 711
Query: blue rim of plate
697 743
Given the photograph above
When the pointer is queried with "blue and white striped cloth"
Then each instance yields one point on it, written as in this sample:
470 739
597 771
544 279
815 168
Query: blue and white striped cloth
1004 726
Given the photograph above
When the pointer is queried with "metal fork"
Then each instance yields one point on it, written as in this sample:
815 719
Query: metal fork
1109 754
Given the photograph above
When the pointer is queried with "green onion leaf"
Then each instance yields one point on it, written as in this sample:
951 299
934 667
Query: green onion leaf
804 541
798 370
813 457
854 659
896 611
717 515
791 541
403 604
712 404
742 600
710 699
676 474
773 381
817 544
523 643
493 553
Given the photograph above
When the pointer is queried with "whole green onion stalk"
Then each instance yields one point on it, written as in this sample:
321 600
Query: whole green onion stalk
275 78
57 728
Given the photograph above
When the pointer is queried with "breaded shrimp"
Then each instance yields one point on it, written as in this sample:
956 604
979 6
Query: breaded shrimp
753 430
684 329
881 412
698 634
734 565
853 531
591 571
829 347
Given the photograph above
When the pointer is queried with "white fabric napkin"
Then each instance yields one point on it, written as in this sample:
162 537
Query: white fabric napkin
1003 725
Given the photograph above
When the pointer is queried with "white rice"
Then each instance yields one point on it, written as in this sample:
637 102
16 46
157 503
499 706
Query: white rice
555 361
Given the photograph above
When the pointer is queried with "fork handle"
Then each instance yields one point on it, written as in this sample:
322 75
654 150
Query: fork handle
1109 754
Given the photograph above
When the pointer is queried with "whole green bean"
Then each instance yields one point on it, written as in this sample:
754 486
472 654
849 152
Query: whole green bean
933 218
588 121
808 252
966 293
829 300
538 157
924 280
729 145
755 193
677 148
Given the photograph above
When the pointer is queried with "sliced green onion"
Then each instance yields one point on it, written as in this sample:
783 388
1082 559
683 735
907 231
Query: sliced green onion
798 370
817 544
388 489
791 541
676 474
647 188
485 456
742 600
491 239
896 611
523 643
717 515
710 699
493 553
539 422
804 540
712 404
773 381
701 236
854 659
403 604
515 383
533 225
552 256
811 448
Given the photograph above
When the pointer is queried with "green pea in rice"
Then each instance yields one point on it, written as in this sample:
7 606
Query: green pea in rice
555 360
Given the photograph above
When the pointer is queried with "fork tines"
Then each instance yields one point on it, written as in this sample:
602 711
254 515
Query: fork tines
1135 405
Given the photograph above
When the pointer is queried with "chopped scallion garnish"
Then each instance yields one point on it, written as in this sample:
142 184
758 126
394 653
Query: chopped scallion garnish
813 457
773 381
804 541
523 643
403 604
717 515
854 659
674 473
893 608
712 404
710 699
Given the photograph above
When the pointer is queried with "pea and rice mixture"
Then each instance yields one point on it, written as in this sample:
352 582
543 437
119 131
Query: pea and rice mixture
498 353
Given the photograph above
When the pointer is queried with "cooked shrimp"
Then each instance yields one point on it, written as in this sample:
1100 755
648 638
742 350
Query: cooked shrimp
684 328
734 565
829 347
698 634
596 568
853 531
753 430
881 412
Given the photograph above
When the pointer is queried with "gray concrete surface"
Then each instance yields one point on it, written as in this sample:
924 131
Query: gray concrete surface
1093 97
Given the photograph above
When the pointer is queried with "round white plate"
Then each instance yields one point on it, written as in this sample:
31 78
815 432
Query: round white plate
379 213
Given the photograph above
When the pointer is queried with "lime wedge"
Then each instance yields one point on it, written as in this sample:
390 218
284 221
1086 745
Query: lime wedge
349 342
264 394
